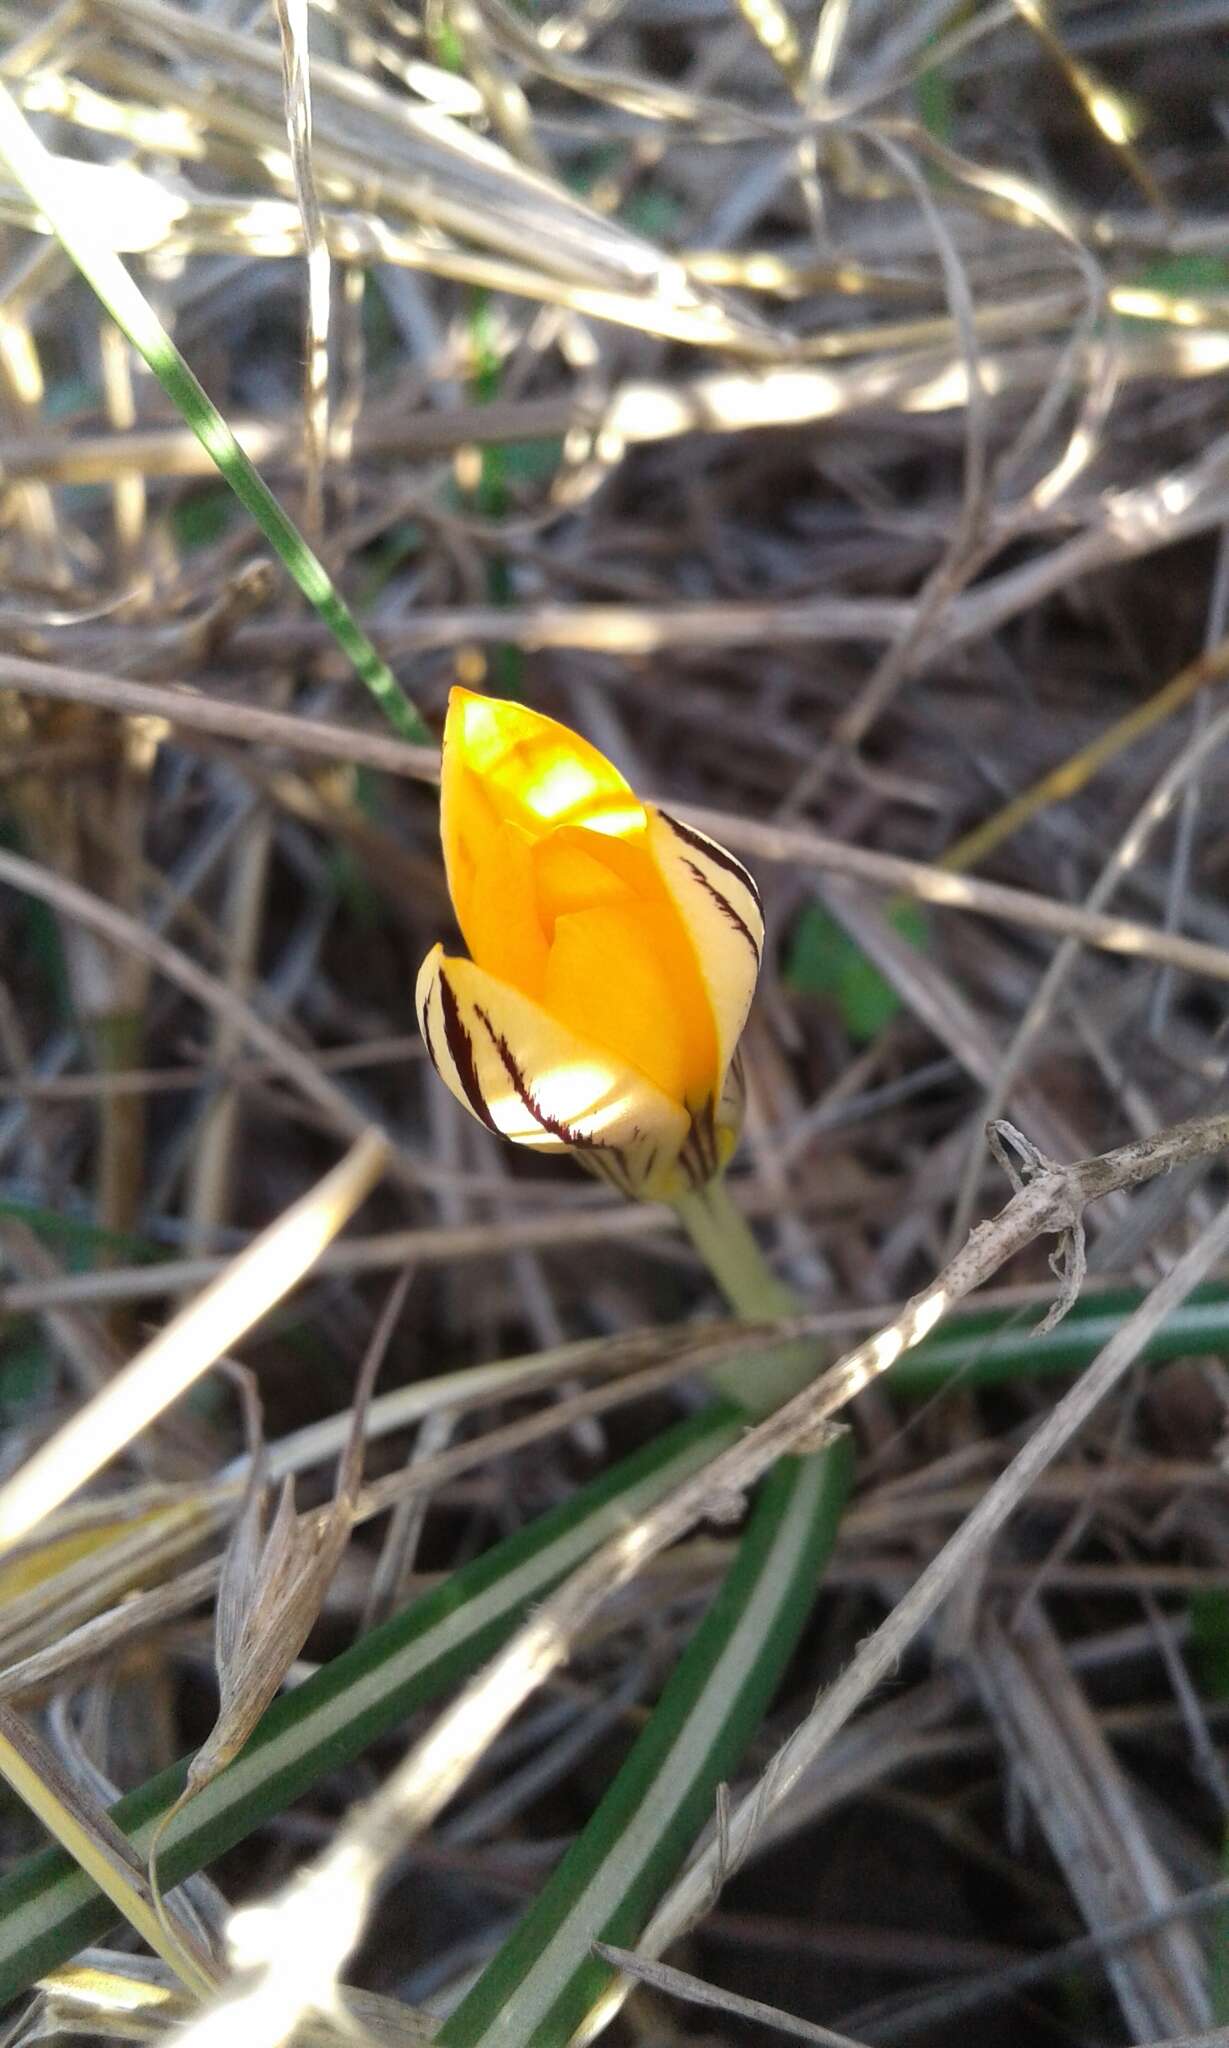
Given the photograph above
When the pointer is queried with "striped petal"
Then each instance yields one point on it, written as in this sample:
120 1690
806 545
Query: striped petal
530 1078
720 907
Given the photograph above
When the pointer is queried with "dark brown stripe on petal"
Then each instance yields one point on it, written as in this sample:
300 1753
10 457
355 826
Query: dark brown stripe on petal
557 1129
691 1160
699 1150
725 906
461 1047
618 1160
709 1126
717 854
428 1041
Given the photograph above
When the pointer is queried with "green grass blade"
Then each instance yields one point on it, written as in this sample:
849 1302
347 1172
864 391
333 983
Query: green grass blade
545 1983
49 1908
986 1349
42 177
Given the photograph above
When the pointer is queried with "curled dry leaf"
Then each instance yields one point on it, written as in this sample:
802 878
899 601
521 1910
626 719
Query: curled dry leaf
273 1586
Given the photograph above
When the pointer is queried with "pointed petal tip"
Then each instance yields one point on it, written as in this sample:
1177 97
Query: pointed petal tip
426 977
424 988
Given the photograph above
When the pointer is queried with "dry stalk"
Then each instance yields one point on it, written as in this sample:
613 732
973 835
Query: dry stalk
130 936
1082 1799
930 883
1127 855
879 1655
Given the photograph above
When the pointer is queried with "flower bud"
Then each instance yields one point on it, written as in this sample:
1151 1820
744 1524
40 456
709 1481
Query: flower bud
613 956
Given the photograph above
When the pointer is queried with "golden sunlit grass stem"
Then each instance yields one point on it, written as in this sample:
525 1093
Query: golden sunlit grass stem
1074 774
98 1847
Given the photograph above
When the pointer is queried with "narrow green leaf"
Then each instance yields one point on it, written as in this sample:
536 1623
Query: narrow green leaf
1219 1975
43 177
545 1981
1209 1612
997 1345
1192 272
49 1909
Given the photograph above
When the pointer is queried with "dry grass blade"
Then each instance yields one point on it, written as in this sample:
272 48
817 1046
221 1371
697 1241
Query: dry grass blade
1073 775
323 1911
965 892
1093 1825
1126 856
880 1654
381 1253
127 933
694 1991
770 842
823 411
292 21
63 1583
135 1998
190 1343
273 1584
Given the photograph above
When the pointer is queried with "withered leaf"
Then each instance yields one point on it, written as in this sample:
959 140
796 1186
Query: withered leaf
273 1585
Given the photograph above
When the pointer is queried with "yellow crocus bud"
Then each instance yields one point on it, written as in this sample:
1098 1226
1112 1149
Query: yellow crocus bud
613 957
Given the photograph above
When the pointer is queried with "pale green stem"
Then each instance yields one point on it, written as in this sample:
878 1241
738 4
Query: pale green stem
759 1380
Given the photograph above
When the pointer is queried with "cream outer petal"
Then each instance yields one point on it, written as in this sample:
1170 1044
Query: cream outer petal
720 907
529 1078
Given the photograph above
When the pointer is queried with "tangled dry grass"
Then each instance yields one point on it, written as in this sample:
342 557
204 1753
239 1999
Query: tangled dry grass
822 408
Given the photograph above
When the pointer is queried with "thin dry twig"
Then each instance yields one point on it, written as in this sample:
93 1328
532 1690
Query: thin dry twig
880 1653
715 379
127 933
764 841
694 1991
1082 1799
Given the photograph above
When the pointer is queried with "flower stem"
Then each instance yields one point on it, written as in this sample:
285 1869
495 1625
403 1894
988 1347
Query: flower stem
759 1380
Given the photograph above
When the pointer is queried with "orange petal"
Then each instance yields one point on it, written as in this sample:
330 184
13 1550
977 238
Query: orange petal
608 978
572 872
500 920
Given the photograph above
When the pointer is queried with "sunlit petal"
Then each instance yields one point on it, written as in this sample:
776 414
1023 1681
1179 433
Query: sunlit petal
525 1074
531 770
642 972
571 873
500 924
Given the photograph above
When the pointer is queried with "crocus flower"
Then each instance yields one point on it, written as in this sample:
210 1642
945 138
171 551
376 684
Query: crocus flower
613 957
